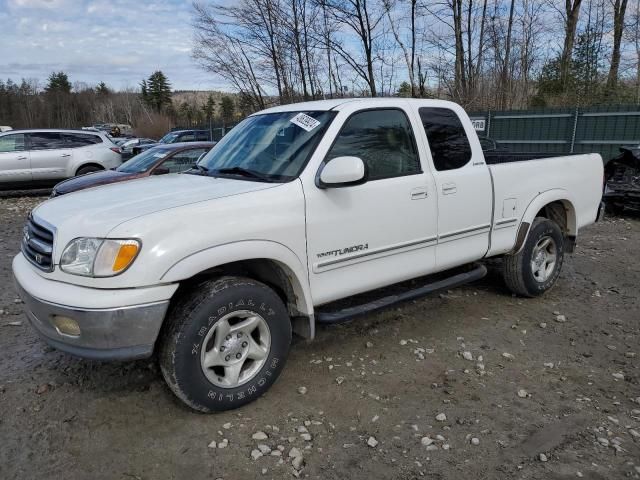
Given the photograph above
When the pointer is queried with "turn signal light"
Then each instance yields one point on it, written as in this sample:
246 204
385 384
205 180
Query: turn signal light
126 254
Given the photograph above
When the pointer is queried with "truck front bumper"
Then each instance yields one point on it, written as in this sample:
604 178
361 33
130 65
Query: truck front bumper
59 312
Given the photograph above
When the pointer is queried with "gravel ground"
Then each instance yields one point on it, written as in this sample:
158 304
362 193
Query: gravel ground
473 383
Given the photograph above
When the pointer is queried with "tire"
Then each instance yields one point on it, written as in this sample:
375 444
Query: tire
88 169
535 269
196 348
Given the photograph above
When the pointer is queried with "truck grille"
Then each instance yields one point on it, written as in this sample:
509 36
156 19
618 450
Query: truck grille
37 245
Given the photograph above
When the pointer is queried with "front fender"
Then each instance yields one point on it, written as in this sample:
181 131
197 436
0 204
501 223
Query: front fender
213 257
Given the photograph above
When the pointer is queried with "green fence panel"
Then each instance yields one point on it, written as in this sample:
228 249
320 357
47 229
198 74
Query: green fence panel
602 129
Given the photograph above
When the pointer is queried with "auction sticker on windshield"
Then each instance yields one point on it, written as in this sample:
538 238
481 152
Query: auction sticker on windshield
305 122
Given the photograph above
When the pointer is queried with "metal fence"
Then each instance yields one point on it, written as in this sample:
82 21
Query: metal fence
601 130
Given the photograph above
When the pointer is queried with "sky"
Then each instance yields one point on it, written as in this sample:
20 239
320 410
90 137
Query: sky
115 41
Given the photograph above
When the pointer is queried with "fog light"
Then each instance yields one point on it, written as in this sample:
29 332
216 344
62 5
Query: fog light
66 326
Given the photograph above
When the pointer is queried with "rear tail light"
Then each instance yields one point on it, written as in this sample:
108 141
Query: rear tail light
115 149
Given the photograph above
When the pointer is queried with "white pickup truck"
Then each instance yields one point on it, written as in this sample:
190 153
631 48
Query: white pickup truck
297 207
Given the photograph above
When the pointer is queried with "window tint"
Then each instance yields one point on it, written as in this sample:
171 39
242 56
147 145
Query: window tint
183 161
187 137
448 141
202 136
46 141
74 140
12 143
382 139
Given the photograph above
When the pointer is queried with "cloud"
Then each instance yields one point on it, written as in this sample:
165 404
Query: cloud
115 41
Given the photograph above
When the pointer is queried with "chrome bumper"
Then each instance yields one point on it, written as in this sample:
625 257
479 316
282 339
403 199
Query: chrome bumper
123 333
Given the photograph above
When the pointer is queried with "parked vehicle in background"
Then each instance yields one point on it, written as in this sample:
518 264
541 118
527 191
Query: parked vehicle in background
127 145
159 160
622 175
5 128
177 136
44 157
296 208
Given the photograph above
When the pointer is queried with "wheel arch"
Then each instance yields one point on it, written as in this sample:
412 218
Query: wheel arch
268 262
556 205
88 164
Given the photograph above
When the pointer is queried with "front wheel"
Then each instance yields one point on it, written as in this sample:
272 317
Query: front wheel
535 269
225 344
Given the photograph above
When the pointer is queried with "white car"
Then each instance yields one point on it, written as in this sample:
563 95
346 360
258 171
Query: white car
295 208
43 157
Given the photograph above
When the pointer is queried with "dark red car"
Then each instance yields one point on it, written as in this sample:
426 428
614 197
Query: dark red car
171 158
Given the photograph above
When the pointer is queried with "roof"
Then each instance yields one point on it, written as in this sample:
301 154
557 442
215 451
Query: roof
56 130
183 145
337 103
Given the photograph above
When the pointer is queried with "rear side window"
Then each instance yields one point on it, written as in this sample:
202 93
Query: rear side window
383 139
46 141
202 136
183 161
12 143
448 141
74 140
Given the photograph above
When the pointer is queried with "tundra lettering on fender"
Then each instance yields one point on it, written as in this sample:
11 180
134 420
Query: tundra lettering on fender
215 269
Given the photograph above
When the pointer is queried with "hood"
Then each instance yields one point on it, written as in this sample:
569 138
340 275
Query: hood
96 211
91 180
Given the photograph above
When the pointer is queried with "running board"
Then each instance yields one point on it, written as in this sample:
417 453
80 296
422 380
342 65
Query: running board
348 313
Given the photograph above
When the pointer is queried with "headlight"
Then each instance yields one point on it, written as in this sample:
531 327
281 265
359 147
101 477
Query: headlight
98 257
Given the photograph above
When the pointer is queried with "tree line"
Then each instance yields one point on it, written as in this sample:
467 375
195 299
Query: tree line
152 109
497 54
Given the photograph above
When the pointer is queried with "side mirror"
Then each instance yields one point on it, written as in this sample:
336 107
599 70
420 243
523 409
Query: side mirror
342 172
161 171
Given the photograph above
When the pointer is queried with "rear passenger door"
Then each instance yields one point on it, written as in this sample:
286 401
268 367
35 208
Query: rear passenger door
463 185
15 166
381 232
50 156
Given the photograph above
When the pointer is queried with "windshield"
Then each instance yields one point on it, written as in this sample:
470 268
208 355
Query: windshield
169 138
271 147
143 161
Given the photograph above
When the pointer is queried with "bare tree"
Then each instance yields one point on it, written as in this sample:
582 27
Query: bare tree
619 10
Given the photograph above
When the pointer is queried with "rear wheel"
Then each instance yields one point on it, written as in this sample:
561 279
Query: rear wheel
225 344
535 269
88 169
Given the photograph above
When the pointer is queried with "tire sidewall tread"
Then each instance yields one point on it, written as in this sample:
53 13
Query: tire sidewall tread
187 325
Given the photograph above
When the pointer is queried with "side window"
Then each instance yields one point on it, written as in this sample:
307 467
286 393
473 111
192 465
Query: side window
74 140
383 139
448 141
187 137
183 161
12 143
46 141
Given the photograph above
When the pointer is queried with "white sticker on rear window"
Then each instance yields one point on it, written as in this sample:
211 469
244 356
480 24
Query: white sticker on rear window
305 122
159 155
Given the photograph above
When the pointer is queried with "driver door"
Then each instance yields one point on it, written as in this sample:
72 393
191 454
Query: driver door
383 231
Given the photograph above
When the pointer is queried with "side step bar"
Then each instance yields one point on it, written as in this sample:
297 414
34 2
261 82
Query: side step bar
347 314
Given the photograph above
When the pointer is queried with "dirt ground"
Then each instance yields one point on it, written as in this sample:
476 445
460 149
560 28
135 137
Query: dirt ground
525 394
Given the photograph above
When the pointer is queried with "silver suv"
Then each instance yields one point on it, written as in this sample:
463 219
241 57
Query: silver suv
44 157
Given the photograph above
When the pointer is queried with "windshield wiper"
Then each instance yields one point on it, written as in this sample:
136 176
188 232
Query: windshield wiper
244 173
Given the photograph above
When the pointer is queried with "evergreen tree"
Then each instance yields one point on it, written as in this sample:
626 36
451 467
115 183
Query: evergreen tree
102 89
208 108
158 91
58 82
227 109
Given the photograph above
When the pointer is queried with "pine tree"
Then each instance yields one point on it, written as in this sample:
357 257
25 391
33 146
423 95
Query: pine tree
58 82
158 90
227 109
102 89
209 107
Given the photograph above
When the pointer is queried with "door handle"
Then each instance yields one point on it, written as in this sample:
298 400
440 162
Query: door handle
449 188
65 155
419 193
22 158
